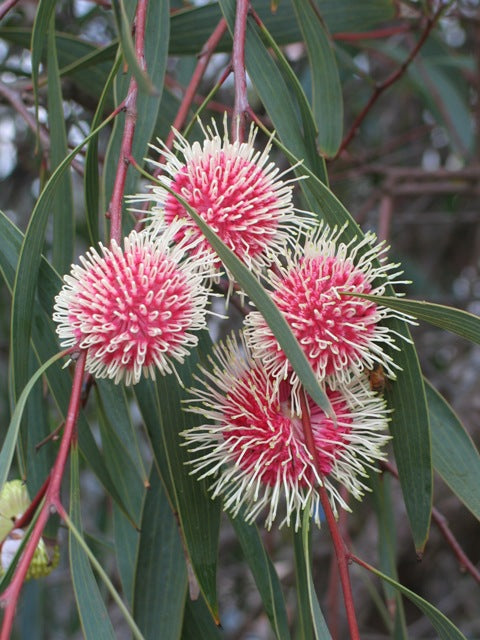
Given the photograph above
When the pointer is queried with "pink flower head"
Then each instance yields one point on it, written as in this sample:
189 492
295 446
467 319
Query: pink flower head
237 190
134 309
341 335
255 448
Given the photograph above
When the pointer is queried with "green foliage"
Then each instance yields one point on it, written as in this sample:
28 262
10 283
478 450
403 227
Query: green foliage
154 551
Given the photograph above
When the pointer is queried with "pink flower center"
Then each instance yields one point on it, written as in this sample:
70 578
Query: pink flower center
131 306
233 195
264 436
331 328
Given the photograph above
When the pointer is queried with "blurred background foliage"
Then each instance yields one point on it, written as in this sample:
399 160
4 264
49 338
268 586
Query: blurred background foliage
410 172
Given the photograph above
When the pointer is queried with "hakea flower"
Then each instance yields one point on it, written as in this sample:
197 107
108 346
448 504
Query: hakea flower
254 446
134 309
237 190
341 335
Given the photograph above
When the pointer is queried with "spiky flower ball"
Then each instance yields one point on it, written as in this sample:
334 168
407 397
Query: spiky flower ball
135 309
342 335
14 501
255 449
237 190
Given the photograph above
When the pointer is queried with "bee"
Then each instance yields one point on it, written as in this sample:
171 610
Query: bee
377 378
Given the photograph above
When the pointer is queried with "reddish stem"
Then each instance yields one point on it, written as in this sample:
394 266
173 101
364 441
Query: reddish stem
6 6
118 192
240 108
9 597
370 35
189 96
379 89
341 551
26 517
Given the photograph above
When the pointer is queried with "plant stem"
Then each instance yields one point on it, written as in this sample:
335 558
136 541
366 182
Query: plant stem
118 192
341 551
240 108
10 596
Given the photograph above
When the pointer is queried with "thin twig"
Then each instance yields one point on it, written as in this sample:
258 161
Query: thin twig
240 108
341 551
431 22
346 36
6 6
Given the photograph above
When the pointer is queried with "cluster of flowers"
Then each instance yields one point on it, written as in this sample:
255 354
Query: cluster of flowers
136 310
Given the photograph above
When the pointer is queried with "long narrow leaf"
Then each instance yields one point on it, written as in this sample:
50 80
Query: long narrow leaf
198 514
91 608
463 323
8 448
46 9
446 630
161 575
62 205
326 89
455 456
264 574
124 26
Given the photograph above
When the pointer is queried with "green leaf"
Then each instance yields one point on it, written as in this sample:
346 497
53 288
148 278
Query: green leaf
446 630
45 11
198 623
38 462
462 323
161 575
381 497
124 26
320 628
119 462
27 270
266 306
126 539
304 627
91 608
191 27
264 574
91 180
8 447
117 410
93 614
198 514
62 205
326 90
455 456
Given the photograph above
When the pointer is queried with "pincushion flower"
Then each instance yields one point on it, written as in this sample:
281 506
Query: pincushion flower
134 309
341 335
253 444
236 189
